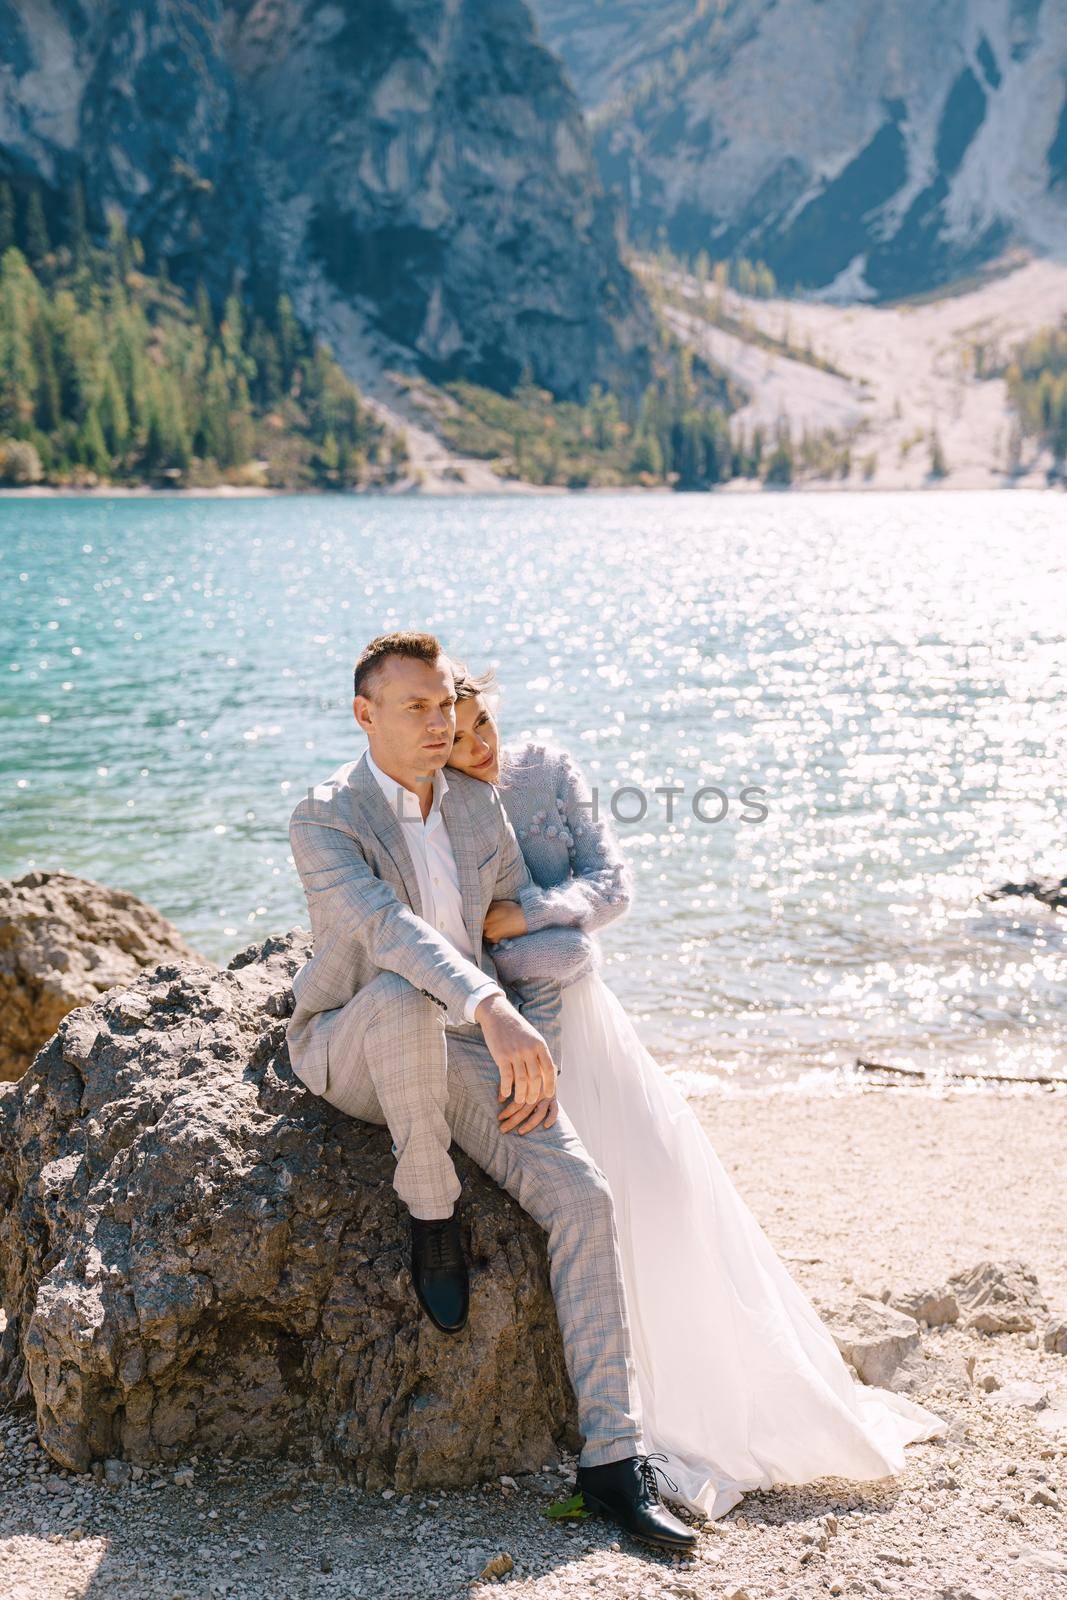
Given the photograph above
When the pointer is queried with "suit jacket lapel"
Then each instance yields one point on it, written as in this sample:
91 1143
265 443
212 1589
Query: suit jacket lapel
466 835
387 828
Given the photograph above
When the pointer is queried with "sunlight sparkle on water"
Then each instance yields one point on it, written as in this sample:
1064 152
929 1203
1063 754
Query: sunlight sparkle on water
877 684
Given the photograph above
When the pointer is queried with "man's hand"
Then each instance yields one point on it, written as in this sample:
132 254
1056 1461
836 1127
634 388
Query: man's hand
505 919
545 1111
524 1061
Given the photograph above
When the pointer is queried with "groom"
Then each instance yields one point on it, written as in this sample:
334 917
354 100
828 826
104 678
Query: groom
400 1020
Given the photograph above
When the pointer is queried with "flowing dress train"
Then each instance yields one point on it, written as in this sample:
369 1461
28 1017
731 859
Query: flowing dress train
742 1385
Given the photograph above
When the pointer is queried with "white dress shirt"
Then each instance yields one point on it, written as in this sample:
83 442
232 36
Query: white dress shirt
435 868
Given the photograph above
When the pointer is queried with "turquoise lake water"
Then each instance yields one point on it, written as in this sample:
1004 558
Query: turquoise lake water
888 670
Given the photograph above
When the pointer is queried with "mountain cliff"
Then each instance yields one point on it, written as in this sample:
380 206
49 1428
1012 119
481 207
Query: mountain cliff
867 147
420 166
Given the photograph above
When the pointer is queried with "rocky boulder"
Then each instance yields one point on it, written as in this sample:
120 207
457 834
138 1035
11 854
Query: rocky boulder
998 1297
198 1254
1021 1393
933 1307
875 1339
64 941
1055 1338
1050 891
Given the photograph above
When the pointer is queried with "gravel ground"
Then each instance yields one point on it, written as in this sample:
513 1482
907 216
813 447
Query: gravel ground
858 1191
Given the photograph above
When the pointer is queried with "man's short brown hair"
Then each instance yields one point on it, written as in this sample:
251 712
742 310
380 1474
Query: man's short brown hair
416 646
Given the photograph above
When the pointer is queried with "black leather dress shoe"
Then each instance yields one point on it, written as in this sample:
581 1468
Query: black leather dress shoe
439 1271
627 1492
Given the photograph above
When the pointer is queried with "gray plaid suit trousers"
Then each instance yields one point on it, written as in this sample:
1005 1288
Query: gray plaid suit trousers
395 1060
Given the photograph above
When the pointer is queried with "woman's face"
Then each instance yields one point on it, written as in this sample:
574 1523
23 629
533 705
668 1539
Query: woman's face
476 746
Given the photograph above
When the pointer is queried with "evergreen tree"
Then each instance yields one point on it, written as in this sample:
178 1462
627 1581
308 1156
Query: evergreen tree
213 440
399 449
603 413
18 376
78 237
290 340
232 337
263 348
36 229
241 435
1036 379
204 314
329 455
119 249
780 462
92 449
938 467
114 417
48 408
7 216
647 456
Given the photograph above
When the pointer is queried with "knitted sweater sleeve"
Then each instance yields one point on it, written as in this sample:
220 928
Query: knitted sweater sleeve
600 887
562 954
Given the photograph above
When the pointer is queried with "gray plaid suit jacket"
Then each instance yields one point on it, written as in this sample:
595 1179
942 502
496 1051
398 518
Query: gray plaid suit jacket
366 912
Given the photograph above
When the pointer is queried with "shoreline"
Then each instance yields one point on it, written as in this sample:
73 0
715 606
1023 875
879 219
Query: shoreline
741 486
815 1085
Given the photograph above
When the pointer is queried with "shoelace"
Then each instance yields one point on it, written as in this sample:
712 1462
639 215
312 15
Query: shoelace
439 1246
648 1473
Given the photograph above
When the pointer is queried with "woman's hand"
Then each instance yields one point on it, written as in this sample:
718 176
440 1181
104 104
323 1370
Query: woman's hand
505 919
522 1119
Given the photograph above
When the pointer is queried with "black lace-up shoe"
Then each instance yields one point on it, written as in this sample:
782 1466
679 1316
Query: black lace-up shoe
627 1492
439 1271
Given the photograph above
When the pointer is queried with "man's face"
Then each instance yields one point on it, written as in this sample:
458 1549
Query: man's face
410 717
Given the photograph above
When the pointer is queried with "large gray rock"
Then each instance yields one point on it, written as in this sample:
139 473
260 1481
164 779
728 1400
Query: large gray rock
1021 1393
64 941
1052 1419
933 1307
998 1297
197 1254
1055 1337
931 1374
875 1339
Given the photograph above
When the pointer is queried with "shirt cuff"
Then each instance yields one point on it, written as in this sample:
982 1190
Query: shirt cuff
475 1000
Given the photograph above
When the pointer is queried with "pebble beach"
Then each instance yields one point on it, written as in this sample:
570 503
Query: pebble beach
860 1193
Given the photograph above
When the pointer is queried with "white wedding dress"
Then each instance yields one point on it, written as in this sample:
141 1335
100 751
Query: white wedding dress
742 1385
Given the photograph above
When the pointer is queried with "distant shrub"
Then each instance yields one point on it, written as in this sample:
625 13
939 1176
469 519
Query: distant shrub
19 462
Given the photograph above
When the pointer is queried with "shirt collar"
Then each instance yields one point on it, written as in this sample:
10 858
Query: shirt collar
402 802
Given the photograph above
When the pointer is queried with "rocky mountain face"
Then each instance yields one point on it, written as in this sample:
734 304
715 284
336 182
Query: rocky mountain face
865 147
424 163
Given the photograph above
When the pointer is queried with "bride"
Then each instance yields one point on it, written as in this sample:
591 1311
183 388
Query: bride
742 1385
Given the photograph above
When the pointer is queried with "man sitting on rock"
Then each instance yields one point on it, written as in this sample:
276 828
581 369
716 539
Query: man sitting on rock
400 1020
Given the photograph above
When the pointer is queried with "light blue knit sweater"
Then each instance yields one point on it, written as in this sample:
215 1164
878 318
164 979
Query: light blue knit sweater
581 878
